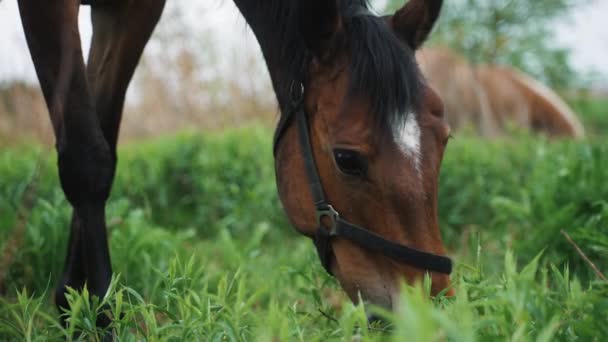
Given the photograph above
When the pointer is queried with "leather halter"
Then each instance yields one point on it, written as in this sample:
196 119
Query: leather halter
329 223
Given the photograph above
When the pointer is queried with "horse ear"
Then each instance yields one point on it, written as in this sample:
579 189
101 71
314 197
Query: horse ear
319 23
415 20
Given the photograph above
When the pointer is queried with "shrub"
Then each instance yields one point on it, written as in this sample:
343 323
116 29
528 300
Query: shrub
202 250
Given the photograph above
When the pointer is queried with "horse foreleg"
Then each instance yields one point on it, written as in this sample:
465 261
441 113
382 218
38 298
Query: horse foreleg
85 162
121 30
120 33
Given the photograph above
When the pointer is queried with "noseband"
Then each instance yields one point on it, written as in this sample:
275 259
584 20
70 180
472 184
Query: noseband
329 223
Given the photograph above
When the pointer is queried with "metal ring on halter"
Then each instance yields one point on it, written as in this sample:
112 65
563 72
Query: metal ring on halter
333 216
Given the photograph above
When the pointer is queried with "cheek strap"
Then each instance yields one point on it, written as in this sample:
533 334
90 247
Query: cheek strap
329 223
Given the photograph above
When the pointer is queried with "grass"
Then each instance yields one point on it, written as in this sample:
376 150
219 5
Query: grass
202 250
593 111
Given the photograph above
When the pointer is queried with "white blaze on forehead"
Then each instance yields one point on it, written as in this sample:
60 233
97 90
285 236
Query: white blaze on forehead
408 139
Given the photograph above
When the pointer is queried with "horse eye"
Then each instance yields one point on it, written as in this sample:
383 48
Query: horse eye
350 162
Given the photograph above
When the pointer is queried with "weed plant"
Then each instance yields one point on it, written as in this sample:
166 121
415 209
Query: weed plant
202 250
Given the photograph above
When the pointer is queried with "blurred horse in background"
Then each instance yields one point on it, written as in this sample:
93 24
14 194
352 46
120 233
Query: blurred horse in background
489 98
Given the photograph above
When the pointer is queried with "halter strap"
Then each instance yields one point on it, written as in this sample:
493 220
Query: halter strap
329 223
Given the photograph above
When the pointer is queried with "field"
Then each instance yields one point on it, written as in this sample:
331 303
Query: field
203 251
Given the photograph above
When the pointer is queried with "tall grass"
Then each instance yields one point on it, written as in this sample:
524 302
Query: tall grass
201 248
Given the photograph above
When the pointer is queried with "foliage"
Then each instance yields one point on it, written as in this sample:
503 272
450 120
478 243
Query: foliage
528 189
593 112
512 32
202 250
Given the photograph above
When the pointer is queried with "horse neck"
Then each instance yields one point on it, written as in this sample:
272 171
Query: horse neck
275 26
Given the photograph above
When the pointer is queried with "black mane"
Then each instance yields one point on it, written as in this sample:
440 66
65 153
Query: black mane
382 68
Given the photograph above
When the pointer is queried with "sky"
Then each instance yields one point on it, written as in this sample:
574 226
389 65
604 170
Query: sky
586 33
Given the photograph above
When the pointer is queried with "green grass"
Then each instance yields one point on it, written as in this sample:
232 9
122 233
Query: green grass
593 112
202 250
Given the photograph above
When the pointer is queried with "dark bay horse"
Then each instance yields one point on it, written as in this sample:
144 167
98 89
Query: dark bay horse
357 150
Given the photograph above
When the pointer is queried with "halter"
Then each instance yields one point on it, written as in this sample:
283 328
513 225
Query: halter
329 223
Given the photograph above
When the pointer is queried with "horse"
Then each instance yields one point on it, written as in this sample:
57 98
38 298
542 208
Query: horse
490 97
358 146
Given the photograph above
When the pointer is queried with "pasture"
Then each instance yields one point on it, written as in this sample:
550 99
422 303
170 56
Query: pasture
201 248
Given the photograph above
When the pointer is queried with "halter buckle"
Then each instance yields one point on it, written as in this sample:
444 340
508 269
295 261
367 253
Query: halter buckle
333 216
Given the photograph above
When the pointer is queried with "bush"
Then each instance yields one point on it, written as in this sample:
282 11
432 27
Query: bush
522 192
204 182
202 250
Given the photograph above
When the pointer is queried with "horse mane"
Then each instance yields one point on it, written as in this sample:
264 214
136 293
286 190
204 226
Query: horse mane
382 68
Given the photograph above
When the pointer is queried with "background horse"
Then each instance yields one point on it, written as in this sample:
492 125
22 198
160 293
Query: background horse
376 131
490 97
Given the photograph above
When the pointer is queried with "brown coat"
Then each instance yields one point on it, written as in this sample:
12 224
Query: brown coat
487 98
